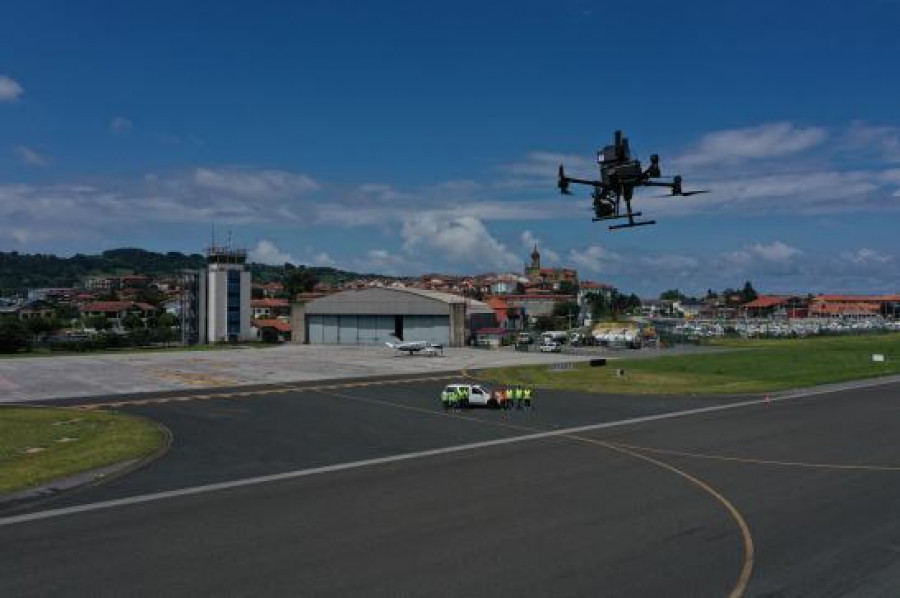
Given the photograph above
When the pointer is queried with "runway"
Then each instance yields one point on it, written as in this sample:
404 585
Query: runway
781 498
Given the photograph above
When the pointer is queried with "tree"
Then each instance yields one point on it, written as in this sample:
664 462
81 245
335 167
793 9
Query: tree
599 307
164 328
300 280
564 314
543 323
672 295
65 311
748 293
154 297
13 335
96 322
132 322
166 320
37 326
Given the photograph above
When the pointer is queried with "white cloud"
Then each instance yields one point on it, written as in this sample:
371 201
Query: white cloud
538 171
668 262
383 261
259 184
266 252
120 125
764 141
30 156
596 259
321 259
866 256
775 252
462 241
10 90
885 140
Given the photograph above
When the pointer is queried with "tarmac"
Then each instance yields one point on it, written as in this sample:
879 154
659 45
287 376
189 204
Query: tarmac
370 488
107 374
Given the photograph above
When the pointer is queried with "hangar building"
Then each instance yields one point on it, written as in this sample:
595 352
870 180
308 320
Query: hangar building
381 314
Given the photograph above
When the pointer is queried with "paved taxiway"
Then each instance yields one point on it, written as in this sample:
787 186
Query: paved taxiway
654 508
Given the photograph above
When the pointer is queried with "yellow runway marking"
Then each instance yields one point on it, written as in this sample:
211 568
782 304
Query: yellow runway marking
261 392
749 548
747 538
751 461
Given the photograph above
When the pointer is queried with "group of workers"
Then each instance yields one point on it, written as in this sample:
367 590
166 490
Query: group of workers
517 397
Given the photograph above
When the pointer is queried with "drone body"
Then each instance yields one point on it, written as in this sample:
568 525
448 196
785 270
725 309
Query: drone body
619 175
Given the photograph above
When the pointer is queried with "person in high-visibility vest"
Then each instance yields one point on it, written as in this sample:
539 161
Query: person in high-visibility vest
502 398
517 394
526 396
446 399
463 396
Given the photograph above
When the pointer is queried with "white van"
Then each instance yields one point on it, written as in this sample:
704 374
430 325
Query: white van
478 395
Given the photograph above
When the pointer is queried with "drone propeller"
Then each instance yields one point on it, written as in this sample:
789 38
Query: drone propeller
563 182
682 194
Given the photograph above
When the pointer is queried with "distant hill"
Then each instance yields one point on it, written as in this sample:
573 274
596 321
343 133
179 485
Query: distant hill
20 271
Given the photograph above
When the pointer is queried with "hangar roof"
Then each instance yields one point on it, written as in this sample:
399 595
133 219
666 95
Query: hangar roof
390 301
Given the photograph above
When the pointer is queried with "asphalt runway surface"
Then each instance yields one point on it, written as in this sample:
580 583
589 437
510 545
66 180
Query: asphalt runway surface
374 490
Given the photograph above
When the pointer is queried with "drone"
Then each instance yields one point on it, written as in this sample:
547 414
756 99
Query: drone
619 175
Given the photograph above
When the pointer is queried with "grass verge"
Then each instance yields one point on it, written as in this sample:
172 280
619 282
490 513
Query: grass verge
43 352
759 366
40 444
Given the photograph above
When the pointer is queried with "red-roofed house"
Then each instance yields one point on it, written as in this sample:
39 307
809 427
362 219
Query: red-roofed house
785 306
855 305
269 307
116 311
508 317
273 289
839 309
281 328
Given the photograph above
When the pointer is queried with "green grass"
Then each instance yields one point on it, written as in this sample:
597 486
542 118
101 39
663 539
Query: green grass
758 366
42 352
102 438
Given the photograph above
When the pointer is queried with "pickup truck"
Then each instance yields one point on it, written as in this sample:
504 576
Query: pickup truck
477 395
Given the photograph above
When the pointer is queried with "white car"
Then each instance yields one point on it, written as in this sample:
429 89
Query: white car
551 348
477 394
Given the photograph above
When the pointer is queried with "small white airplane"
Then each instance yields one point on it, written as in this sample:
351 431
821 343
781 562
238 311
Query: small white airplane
428 347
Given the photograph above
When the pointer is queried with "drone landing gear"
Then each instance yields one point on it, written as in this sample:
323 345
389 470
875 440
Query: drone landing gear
632 223
631 220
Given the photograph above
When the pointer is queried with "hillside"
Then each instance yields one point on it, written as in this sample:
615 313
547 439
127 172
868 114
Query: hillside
19 271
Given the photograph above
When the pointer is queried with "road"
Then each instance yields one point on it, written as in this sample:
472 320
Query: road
783 498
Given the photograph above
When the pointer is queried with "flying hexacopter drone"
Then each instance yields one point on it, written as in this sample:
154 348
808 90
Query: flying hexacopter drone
619 175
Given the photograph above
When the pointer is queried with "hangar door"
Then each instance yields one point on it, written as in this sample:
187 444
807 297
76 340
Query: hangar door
427 328
376 330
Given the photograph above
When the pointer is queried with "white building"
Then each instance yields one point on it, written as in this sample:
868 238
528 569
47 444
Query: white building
228 316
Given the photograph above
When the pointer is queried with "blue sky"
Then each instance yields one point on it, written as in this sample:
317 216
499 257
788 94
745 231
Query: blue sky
409 137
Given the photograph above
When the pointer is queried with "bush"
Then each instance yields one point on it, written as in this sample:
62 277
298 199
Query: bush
13 335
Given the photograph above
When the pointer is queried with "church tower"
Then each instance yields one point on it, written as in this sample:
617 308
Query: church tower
533 272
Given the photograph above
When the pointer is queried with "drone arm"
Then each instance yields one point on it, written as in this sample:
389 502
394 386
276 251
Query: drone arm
584 182
653 171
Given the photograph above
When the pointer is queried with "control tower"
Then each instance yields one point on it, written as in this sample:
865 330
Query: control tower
228 295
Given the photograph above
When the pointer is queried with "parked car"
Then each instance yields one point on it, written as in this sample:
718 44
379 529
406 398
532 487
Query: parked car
551 347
